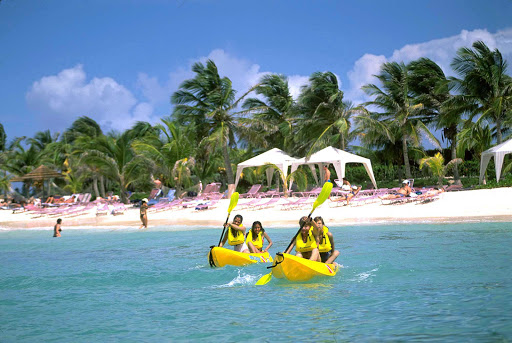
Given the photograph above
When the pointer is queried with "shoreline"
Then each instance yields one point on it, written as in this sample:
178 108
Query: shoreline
487 205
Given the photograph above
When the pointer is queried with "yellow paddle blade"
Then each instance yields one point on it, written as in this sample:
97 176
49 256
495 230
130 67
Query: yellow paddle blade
264 279
324 194
233 202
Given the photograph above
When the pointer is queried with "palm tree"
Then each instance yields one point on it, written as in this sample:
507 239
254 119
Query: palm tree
115 159
326 117
474 137
164 147
181 172
485 88
81 136
208 101
271 121
437 167
430 85
401 109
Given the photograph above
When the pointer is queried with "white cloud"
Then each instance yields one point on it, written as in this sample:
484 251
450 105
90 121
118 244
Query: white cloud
60 99
442 51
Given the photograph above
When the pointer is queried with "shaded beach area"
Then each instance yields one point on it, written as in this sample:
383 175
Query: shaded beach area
487 205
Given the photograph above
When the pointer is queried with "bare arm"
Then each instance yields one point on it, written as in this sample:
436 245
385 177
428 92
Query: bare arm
269 241
290 248
331 239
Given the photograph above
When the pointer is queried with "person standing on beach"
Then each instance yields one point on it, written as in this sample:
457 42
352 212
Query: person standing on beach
327 174
143 213
56 229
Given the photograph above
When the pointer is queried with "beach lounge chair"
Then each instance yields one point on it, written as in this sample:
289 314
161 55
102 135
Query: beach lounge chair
119 208
251 193
294 204
270 203
102 209
251 203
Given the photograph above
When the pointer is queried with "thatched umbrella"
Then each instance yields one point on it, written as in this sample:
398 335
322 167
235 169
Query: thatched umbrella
41 173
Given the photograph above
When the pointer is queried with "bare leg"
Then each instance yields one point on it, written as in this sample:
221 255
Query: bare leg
252 248
333 256
315 255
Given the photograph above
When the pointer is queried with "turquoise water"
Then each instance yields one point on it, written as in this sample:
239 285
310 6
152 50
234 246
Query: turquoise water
428 283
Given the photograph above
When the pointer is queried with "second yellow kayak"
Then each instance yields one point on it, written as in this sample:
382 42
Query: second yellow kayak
221 257
298 269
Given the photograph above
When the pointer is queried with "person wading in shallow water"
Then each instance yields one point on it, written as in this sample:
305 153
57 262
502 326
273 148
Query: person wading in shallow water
56 229
143 213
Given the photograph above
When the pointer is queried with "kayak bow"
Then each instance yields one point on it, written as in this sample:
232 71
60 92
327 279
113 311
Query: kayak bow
222 257
295 268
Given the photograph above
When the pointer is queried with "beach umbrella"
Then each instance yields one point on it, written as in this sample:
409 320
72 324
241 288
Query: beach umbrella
41 173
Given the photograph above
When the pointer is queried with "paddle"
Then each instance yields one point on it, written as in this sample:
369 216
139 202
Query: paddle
232 204
324 194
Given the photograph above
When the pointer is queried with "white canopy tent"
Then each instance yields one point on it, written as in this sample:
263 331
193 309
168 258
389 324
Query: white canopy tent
498 152
338 158
274 156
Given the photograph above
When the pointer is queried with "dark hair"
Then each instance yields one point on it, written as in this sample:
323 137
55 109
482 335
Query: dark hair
302 221
239 216
319 218
59 221
259 223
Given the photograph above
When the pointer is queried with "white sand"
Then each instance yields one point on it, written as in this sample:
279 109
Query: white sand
463 206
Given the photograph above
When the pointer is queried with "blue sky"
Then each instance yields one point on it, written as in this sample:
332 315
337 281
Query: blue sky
118 61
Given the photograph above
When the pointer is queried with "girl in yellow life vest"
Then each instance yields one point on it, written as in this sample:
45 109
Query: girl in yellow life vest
235 235
306 241
327 252
254 238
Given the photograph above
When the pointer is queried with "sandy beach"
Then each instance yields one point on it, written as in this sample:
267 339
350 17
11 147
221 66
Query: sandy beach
462 206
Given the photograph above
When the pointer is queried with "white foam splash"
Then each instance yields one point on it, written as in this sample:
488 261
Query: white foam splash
241 280
365 275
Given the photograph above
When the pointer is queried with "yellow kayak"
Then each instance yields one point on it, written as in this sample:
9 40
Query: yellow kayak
295 268
220 257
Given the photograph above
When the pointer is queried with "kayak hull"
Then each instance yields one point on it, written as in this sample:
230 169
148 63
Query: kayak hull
221 257
298 269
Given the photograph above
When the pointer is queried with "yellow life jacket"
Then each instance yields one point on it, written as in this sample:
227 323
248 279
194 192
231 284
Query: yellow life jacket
237 239
309 245
258 243
325 242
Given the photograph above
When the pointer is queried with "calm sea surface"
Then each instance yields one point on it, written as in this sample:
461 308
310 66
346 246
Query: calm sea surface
423 283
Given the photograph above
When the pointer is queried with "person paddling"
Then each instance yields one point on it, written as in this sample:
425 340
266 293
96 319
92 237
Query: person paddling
326 248
235 235
56 229
307 240
254 238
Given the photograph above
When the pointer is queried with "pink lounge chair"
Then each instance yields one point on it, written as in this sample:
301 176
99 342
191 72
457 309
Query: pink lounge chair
295 204
251 193
270 203
251 203
119 208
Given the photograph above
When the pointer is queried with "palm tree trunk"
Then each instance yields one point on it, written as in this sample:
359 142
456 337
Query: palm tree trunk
456 177
498 130
406 158
227 162
95 186
102 186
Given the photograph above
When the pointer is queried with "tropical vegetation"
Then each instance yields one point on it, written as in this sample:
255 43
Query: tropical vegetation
212 128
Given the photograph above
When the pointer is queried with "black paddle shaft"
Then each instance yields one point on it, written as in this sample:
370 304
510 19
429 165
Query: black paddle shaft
294 237
223 229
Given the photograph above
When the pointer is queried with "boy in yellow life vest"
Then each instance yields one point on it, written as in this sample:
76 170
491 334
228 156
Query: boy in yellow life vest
307 240
254 238
235 235
327 252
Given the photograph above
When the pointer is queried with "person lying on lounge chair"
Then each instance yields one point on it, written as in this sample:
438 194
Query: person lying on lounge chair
50 200
431 193
355 190
404 191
